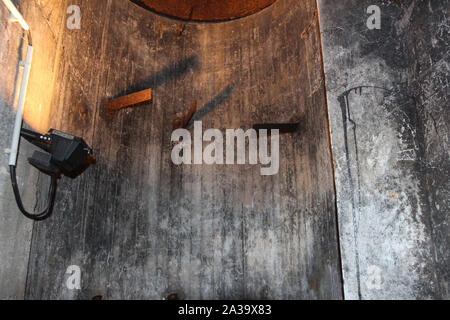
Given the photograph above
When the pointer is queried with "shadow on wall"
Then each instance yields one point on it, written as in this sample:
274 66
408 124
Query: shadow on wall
166 74
213 104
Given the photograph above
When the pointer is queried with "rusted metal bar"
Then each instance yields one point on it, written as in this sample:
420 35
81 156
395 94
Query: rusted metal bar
112 106
182 123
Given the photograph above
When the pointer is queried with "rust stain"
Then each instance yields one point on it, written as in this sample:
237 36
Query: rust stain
180 29
306 30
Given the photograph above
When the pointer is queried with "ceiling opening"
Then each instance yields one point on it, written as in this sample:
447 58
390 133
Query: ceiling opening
205 10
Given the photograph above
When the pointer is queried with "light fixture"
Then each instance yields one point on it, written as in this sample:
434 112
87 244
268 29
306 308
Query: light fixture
12 8
65 154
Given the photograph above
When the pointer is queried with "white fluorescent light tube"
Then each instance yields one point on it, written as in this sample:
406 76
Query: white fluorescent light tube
19 114
16 14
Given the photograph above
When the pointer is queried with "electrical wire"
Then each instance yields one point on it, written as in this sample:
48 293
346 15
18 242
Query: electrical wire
51 197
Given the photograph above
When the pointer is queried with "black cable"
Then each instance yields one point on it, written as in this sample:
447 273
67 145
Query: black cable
51 197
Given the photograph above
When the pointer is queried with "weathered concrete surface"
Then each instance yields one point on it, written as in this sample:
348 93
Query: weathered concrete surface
139 226
387 94
15 230
142 231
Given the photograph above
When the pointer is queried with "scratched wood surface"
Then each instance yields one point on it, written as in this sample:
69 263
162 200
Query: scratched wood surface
140 227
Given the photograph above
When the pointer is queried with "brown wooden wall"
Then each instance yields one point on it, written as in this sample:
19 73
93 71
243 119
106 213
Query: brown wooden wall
139 226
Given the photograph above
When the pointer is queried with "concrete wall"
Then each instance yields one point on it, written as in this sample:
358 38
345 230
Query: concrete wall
386 93
139 226
45 19
388 103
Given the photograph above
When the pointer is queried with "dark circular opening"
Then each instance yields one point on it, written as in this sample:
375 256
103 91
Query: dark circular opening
205 10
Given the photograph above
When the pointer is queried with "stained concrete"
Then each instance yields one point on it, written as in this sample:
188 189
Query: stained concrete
387 93
140 227
44 17
143 231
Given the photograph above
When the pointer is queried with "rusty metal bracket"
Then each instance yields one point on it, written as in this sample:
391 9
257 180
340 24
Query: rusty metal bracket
182 123
112 106
282 127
